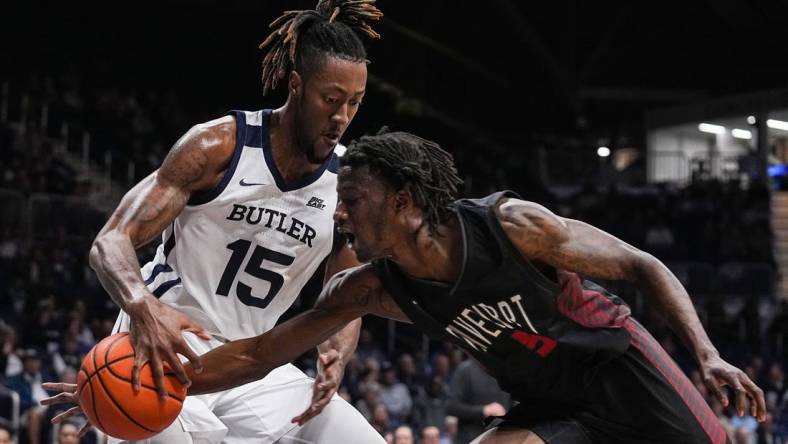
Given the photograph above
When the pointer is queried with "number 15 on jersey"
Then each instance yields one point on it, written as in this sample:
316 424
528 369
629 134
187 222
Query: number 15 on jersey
254 267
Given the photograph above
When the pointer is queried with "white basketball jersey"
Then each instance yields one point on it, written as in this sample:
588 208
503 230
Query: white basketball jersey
238 255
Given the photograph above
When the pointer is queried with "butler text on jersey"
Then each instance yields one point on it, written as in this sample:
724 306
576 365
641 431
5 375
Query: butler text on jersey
277 220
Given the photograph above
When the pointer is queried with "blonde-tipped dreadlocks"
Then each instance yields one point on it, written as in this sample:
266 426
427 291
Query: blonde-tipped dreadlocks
300 36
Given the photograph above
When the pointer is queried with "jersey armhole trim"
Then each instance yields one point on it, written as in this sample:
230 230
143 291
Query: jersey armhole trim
203 197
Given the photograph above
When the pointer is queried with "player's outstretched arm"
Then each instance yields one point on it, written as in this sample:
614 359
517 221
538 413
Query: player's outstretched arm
335 352
576 246
347 296
196 162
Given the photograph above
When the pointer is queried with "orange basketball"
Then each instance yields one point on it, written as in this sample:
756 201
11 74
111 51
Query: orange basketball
109 401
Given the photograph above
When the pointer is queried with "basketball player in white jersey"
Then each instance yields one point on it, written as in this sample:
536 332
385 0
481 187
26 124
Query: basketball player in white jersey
245 206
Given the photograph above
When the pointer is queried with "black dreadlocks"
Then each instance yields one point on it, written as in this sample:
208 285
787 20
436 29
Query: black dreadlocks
410 163
301 36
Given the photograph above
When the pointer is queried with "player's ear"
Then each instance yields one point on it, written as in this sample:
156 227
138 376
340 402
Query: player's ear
405 210
294 83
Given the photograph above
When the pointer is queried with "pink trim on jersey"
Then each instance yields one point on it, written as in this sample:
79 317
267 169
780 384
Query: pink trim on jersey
593 309
588 308
642 340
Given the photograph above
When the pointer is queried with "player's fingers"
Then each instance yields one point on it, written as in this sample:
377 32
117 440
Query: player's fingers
320 398
60 398
739 393
67 414
177 368
83 430
60 387
716 389
316 392
329 357
314 410
328 386
139 361
304 417
158 376
758 406
187 324
193 357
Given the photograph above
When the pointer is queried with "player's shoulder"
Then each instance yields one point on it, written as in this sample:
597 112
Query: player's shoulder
512 209
506 206
200 156
216 137
521 218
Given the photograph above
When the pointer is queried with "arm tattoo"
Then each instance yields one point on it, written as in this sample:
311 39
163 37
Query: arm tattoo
362 298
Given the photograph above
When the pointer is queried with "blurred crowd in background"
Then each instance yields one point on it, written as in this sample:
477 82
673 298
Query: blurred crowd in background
63 143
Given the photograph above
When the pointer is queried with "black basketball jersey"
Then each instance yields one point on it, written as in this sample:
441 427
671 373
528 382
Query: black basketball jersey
540 337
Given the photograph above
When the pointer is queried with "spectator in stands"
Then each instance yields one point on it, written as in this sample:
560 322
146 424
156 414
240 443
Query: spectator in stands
441 366
429 407
68 433
10 364
456 356
17 296
370 376
430 435
408 372
746 425
28 386
69 376
450 431
6 434
67 356
475 395
743 435
766 433
42 330
368 348
75 327
352 377
344 394
28 383
403 435
366 405
380 418
395 395
774 388
719 411
9 247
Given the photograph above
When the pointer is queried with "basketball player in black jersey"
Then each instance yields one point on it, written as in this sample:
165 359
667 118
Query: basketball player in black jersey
505 280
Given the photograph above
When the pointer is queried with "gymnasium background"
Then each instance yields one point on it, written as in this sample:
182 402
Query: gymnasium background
664 123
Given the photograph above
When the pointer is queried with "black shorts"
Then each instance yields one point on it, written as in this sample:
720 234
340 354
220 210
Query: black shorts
641 396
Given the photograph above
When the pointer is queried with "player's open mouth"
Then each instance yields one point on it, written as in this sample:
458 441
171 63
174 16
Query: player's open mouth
331 138
350 237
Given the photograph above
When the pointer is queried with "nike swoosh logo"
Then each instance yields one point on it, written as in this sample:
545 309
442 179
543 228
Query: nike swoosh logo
247 184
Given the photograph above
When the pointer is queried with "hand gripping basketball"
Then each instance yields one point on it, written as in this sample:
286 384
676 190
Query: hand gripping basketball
105 394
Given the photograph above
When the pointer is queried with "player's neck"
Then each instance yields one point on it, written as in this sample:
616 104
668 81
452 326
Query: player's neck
291 162
435 256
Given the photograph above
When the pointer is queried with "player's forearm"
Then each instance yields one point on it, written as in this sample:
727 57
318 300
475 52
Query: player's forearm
143 213
246 360
344 341
115 262
673 302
